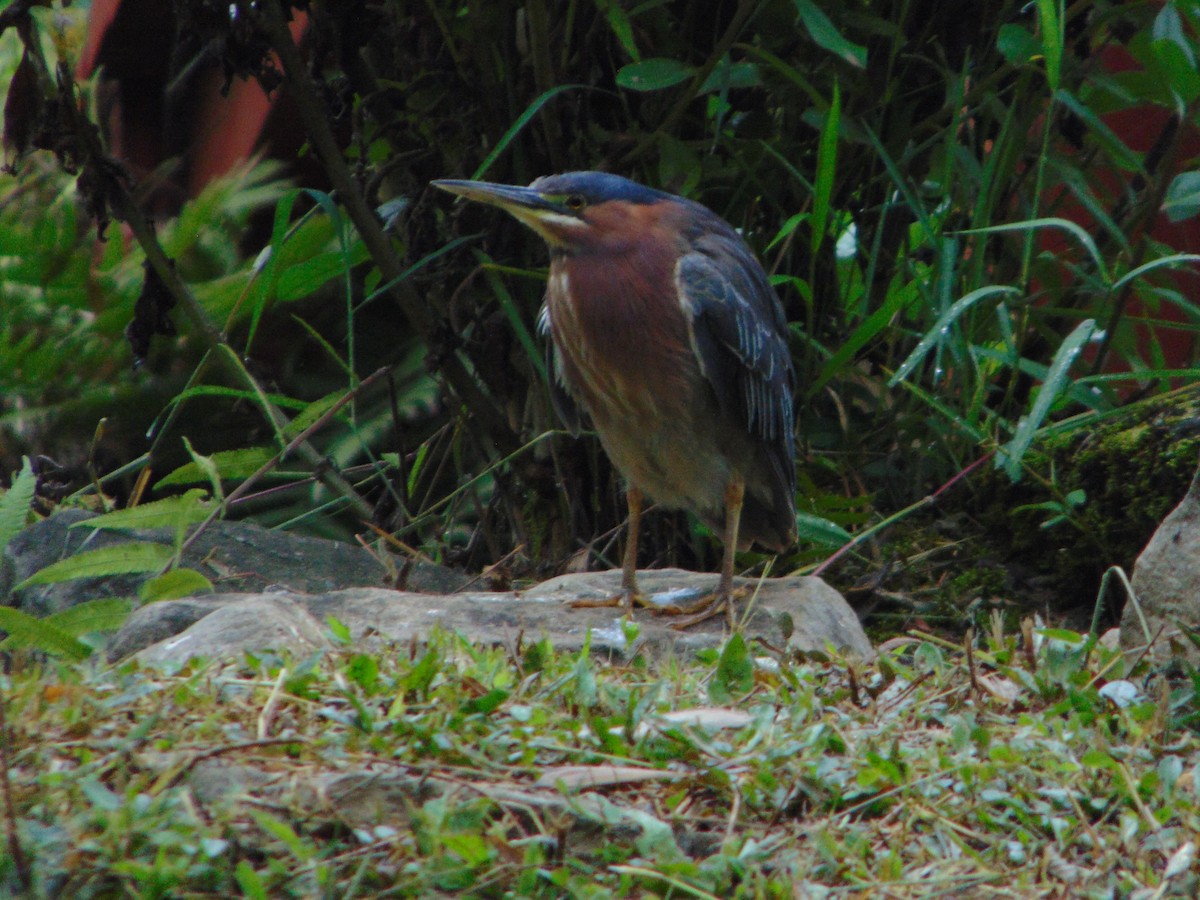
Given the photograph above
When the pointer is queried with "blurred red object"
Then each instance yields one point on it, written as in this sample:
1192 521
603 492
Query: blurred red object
1140 128
157 108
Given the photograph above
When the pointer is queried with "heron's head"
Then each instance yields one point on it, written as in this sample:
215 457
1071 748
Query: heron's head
573 211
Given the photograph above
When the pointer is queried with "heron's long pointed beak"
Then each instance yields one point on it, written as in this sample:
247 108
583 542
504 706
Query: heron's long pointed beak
509 197
549 218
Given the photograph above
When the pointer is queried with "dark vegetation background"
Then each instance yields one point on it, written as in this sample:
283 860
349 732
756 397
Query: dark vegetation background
976 214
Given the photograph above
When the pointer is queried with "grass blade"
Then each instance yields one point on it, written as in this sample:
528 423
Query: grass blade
896 302
523 120
826 163
528 343
1009 456
1074 228
825 33
1175 259
1051 20
940 328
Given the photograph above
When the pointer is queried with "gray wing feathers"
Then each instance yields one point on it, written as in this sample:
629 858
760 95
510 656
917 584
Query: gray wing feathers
739 336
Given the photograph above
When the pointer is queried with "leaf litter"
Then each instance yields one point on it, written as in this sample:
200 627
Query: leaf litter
1046 771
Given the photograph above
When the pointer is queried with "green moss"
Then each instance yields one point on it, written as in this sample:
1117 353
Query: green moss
1134 468
978 581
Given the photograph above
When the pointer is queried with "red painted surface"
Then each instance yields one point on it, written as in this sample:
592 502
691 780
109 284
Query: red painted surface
204 132
1139 128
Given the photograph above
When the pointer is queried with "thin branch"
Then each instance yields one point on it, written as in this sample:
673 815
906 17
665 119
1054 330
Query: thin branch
296 442
670 120
16 14
15 851
902 514
1160 165
107 180
125 209
315 118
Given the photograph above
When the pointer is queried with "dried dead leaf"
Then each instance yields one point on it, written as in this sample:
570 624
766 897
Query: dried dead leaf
1121 693
1181 860
709 718
21 110
576 777
1000 688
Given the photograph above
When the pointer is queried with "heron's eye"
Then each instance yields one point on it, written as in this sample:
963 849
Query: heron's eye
576 202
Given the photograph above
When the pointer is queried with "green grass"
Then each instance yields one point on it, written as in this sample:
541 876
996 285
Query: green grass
523 772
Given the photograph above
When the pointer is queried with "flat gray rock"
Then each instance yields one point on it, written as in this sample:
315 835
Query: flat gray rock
234 556
256 623
795 613
159 621
1166 584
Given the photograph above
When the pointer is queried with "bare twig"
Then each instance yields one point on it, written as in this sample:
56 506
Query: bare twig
930 500
969 647
1161 164
16 14
172 777
15 852
313 114
667 126
296 442
80 147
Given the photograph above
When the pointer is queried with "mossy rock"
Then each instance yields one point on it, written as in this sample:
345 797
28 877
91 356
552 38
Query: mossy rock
1133 467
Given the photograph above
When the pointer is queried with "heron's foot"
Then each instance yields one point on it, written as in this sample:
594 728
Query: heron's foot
704 609
628 600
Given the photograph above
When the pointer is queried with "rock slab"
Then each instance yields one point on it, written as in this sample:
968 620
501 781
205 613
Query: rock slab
1166 586
799 613
234 556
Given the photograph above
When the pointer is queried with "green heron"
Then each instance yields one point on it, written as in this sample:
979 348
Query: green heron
666 333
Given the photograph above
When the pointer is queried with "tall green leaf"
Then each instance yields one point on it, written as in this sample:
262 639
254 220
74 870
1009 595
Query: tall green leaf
941 327
826 163
654 74
522 120
1076 230
896 302
622 27
1050 15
